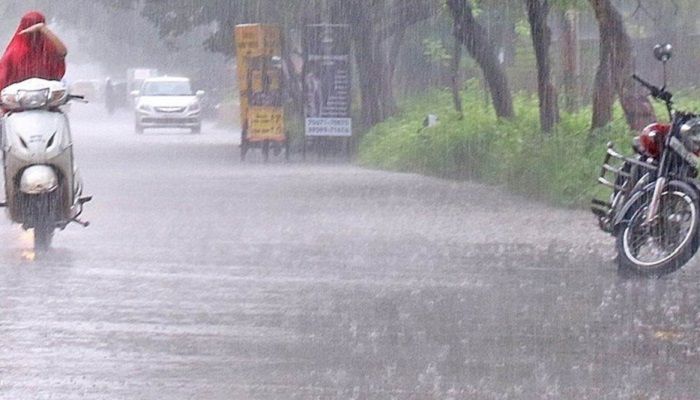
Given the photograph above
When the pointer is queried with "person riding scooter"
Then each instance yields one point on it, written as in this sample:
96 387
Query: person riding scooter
34 52
43 189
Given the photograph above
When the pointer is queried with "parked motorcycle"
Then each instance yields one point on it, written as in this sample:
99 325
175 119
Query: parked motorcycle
42 186
654 208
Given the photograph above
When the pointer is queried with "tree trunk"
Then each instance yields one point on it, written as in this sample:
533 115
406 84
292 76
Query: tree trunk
393 54
456 81
376 90
615 72
570 58
474 37
369 71
537 12
603 91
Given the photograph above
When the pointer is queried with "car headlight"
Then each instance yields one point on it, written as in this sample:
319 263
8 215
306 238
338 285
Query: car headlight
145 108
194 107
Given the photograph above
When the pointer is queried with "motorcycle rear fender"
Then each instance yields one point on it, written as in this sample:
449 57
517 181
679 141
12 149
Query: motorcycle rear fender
624 215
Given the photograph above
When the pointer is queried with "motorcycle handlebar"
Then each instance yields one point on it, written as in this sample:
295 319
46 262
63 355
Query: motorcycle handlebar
644 83
659 93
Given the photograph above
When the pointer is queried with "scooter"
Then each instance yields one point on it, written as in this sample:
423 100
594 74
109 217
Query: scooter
43 188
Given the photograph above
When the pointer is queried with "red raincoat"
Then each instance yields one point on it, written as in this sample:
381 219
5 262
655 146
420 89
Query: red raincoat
31 55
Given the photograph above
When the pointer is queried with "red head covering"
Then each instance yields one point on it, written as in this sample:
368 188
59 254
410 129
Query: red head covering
30 55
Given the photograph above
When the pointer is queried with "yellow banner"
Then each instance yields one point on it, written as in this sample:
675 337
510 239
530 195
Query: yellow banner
266 123
259 79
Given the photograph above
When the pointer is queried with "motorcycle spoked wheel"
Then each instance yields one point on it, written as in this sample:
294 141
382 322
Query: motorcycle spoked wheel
666 244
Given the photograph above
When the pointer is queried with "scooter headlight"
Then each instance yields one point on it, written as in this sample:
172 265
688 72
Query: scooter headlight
29 99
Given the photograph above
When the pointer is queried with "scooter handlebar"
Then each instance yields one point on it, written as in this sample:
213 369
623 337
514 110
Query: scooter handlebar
79 98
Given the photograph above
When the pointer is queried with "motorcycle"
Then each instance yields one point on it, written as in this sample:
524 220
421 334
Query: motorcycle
43 188
653 211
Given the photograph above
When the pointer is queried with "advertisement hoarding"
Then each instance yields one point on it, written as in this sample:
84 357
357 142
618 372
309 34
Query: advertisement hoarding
259 55
327 80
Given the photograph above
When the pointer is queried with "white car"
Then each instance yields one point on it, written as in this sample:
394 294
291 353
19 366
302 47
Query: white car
167 102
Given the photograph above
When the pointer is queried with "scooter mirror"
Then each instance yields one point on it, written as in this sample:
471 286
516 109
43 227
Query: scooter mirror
663 52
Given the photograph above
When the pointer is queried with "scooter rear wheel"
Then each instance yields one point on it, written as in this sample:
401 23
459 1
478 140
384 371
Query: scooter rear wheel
43 237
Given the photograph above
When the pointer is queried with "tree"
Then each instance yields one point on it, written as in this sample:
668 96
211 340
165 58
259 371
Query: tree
456 83
537 13
568 22
474 37
372 24
377 29
614 74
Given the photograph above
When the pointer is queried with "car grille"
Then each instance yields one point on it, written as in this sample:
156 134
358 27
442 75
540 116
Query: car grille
169 121
170 110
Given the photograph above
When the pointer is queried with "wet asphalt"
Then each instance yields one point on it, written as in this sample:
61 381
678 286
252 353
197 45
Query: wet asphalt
205 278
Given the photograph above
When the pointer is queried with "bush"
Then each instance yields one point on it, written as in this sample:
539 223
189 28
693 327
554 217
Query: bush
560 167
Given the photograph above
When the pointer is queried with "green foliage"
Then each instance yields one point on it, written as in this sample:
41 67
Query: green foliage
436 52
560 168
522 28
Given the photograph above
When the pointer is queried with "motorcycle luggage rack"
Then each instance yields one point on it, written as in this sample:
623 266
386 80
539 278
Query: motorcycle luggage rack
616 174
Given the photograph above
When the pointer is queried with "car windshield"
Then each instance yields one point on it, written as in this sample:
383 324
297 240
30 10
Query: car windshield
172 88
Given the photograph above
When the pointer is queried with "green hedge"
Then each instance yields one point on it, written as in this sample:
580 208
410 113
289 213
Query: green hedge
561 167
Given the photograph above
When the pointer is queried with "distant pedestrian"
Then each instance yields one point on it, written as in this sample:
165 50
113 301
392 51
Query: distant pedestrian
110 101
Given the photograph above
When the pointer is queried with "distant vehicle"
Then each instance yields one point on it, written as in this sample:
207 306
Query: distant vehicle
135 78
167 102
91 89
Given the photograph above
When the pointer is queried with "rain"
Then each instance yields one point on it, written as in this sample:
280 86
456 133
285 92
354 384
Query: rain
350 199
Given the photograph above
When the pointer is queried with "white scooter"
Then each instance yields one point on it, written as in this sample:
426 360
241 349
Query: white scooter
42 187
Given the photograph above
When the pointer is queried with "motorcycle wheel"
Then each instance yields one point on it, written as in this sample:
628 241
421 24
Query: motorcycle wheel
666 244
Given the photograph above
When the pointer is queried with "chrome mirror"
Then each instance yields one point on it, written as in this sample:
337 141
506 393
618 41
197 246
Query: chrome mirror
663 52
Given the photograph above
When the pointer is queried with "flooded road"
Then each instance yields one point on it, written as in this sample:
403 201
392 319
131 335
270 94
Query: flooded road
205 278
